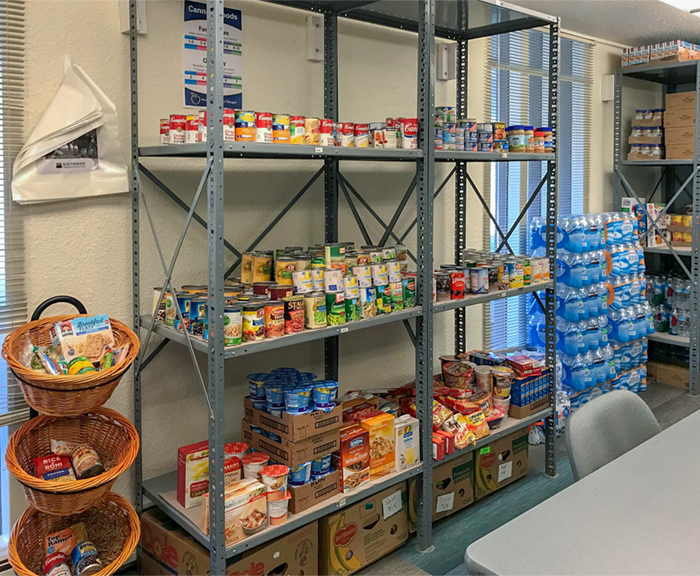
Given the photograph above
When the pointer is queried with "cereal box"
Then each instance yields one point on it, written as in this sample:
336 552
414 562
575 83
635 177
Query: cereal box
353 457
193 472
380 426
89 336
406 441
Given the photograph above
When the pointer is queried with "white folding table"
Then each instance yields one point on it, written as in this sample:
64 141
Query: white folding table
640 514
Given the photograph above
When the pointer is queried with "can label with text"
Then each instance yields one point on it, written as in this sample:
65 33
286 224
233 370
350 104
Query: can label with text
274 319
361 135
293 314
176 128
297 127
409 133
345 136
164 131
263 127
229 125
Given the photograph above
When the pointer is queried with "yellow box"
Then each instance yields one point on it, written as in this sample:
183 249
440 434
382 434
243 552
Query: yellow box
381 444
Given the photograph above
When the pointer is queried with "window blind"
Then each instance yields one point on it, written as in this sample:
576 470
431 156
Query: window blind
13 302
517 80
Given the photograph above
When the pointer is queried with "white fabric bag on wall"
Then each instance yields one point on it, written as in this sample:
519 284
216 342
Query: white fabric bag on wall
73 152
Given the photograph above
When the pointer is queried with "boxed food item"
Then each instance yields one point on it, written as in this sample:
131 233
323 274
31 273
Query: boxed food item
364 532
674 117
406 441
352 460
292 453
355 405
314 492
681 101
169 550
680 151
439 447
193 472
89 336
245 510
524 365
668 374
678 51
679 135
380 427
501 462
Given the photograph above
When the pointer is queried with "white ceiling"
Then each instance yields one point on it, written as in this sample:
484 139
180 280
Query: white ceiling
627 22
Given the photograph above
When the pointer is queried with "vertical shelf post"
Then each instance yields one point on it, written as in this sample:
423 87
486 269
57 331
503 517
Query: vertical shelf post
694 353
552 194
617 142
424 277
215 228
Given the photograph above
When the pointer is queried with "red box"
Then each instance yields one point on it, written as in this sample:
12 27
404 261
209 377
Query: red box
439 447
193 472
449 441
524 365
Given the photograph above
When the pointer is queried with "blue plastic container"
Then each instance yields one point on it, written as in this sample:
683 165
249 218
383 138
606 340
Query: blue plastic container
324 393
321 466
297 400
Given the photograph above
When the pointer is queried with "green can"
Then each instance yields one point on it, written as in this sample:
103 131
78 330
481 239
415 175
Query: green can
396 289
383 300
409 291
368 302
352 309
526 270
318 261
335 308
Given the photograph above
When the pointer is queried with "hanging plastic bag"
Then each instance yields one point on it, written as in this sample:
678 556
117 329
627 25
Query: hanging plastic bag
73 152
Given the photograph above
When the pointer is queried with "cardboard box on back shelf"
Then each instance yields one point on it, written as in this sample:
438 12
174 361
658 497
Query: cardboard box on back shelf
654 237
500 463
169 550
680 135
453 489
362 533
674 117
314 492
680 100
680 152
633 207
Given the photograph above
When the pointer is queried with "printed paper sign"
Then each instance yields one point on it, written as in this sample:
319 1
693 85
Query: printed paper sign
505 471
392 504
194 56
445 502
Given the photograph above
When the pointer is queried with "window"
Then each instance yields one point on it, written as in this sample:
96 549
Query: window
517 78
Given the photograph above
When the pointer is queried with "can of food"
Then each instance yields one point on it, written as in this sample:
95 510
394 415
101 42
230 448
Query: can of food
279 291
361 135
312 131
380 276
274 319
199 317
301 280
479 280
390 133
281 132
262 267
315 310
457 285
544 267
327 136
318 283
164 131
245 125
515 273
402 256
263 127
443 290
202 136
448 136
527 269
247 267
233 325
470 146
176 128
352 308
396 290
334 255
535 271
503 281
335 308
409 291
375 254
350 281
368 302
262 288
499 130
297 127
293 314
383 300
363 257
438 137
350 260
333 280
409 133
377 135
229 125
388 253
363 275
345 134
183 303
284 267
302 262
393 270
459 138
159 306
253 321
318 260
352 291
493 277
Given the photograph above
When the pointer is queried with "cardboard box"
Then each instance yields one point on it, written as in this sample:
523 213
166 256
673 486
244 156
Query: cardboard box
294 427
364 532
314 492
680 135
680 101
292 453
520 412
501 463
674 117
382 454
406 441
193 472
453 489
354 405
352 460
168 550
680 152
668 374
645 140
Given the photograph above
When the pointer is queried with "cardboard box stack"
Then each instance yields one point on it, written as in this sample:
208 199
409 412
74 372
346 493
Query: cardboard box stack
679 126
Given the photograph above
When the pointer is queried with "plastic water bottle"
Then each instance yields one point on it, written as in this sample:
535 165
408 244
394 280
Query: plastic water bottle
603 294
626 227
612 227
592 333
635 290
603 265
588 376
604 329
593 301
593 266
535 339
649 315
593 232
573 376
536 238
584 310
608 355
680 323
635 353
569 303
661 318
569 269
569 338
585 238
573 231
619 326
599 367
626 357
585 269
582 336
631 320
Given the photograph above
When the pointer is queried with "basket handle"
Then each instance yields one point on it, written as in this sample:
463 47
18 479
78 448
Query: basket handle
56 300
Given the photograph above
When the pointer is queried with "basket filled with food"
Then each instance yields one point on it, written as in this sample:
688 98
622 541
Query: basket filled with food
67 365
96 542
68 464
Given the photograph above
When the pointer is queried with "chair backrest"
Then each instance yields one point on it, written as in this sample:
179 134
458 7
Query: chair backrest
606 428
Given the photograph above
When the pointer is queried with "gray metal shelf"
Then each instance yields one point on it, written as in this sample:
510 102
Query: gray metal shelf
460 156
475 299
666 338
653 163
160 490
682 250
669 73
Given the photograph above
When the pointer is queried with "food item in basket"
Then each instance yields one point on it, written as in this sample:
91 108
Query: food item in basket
120 354
43 359
54 468
353 457
50 365
86 560
107 360
56 564
86 462
80 365
61 541
457 426
89 336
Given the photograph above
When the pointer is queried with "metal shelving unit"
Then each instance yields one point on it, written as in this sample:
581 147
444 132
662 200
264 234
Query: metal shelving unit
456 20
678 178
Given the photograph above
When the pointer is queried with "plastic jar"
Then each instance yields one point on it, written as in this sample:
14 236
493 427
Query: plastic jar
529 133
516 138
548 138
640 115
645 152
656 152
539 142
636 132
655 132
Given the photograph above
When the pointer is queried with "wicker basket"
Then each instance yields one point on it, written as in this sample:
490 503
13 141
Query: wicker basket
112 526
65 395
110 434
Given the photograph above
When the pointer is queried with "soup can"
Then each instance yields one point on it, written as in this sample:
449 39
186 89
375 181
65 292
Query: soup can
262 267
318 283
176 127
383 300
274 319
263 127
279 291
396 289
312 129
346 135
503 280
159 307
327 132
380 277
335 308
363 257
352 307
368 302
164 131
393 270
229 125
192 129
281 133
315 310
284 267
363 275
389 253
409 291
297 129
443 289
262 288
409 133
302 282
233 325
333 280
457 284
293 314
361 135
479 280
253 321
515 273
245 126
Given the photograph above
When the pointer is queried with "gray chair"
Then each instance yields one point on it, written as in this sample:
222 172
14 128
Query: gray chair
605 429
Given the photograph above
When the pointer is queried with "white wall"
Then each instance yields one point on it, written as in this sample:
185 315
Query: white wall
82 248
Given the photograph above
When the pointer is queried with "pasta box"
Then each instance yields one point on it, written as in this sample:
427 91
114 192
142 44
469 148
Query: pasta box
292 453
501 463
314 492
294 427
382 458
352 460
359 534
169 550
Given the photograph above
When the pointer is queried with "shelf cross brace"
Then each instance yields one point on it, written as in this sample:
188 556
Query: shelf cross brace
399 210
274 222
411 333
488 211
152 355
661 179
354 211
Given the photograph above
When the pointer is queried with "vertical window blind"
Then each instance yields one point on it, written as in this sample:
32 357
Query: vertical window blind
13 302
517 80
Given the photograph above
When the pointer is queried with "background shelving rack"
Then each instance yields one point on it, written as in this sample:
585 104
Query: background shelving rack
679 180
457 20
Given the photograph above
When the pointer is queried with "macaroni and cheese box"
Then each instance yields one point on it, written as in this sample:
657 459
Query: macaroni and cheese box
380 427
89 336
193 472
352 460
406 441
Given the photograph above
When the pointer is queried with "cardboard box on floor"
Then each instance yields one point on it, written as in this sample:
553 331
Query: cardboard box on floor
453 489
358 535
168 549
668 374
501 463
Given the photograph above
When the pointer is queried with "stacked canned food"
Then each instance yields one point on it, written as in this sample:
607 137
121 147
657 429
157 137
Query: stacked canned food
452 133
265 127
290 290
